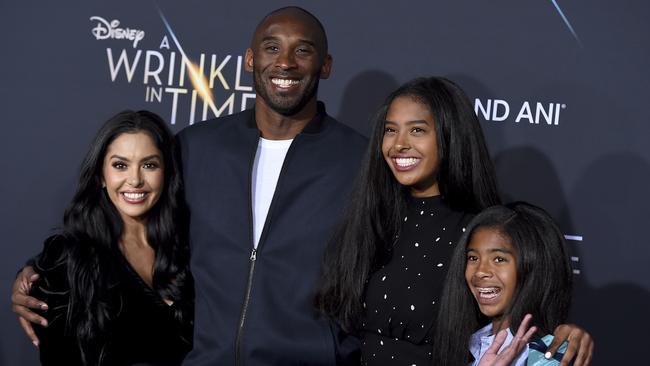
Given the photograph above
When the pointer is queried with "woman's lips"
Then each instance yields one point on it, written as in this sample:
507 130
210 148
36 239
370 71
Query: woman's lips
403 164
134 197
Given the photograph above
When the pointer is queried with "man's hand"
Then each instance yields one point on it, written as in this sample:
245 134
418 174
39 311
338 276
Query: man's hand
493 357
579 341
22 303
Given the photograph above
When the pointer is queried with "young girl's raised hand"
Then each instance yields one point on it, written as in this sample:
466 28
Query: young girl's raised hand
493 357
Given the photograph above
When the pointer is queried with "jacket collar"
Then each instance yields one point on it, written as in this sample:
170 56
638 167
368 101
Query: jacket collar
316 125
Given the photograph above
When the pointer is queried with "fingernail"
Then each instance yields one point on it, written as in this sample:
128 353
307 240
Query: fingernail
44 323
44 306
35 343
548 355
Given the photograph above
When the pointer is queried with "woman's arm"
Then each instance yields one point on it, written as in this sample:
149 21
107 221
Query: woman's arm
57 341
581 345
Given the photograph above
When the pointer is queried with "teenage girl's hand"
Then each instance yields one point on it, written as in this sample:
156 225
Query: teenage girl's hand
579 341
21 303
493 357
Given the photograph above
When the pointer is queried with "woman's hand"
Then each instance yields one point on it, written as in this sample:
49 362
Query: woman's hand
581 345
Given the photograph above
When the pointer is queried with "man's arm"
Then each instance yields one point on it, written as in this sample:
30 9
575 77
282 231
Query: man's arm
22 303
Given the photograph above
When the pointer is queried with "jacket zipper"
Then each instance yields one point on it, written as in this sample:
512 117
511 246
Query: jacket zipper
253 258
254 252
242 319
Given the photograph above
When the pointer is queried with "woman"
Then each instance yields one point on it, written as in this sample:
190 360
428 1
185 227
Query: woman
116 278
426 172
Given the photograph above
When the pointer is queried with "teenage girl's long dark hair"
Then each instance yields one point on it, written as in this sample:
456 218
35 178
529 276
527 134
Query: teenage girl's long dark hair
94 227
543 280
363 240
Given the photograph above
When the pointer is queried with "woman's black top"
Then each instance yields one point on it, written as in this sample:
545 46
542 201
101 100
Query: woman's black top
141 329
401 299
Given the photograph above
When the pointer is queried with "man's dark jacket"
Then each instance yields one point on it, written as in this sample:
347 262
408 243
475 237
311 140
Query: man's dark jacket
255 308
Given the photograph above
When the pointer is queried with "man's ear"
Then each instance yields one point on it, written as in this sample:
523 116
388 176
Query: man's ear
249 60
326 68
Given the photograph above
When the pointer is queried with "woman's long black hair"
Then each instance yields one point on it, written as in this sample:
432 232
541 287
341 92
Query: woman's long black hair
363 240
94 227
543 280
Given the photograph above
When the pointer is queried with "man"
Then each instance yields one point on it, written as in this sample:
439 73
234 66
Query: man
264 188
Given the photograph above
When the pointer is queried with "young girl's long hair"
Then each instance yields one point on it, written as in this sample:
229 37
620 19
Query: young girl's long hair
543 280
94 227
363 240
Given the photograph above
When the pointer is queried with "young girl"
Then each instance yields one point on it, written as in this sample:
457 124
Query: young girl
510 262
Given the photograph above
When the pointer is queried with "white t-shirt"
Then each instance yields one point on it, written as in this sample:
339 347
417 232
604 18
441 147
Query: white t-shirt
266 171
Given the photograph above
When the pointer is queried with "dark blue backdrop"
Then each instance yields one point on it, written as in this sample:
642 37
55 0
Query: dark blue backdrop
561 88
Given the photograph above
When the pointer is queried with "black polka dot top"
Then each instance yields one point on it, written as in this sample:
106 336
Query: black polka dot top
401 299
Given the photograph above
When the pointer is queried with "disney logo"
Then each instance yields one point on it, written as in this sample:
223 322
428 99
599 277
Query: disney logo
106 30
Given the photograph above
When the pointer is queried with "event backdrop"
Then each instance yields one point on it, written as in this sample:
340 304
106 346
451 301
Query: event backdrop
561 89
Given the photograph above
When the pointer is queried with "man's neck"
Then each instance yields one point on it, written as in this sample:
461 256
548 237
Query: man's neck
276 126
